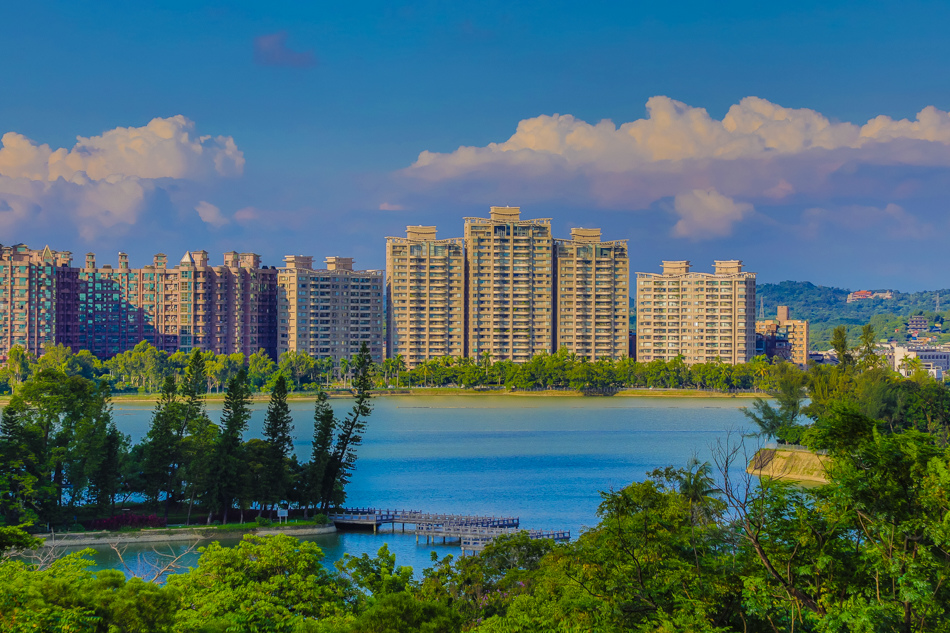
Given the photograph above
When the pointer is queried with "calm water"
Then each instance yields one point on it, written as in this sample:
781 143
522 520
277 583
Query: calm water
543 459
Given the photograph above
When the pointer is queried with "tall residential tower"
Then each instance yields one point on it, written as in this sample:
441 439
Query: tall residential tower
593 295
510 285
425 289
702 317
329 312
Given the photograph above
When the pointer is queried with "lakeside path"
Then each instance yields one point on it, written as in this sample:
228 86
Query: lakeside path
136 398
170 535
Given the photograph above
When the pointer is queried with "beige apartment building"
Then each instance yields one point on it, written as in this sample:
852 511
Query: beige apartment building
699 316
792 331
425 289
494 292
31 281
329 313
593 292
510 285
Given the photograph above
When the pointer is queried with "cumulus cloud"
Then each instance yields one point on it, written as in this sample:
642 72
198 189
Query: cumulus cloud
211 214
102 182
706 214
272 50
759 152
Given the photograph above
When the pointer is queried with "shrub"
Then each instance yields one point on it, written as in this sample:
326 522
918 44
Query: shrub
261 521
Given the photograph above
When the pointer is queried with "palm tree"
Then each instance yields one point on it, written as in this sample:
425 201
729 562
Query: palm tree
696 484
912 365
344 367
399 364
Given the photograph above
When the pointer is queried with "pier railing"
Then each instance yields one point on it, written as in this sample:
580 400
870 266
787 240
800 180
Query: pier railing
472 531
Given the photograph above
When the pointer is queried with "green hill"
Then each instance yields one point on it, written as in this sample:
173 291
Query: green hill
827 307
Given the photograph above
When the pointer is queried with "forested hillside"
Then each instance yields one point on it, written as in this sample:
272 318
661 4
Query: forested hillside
826 307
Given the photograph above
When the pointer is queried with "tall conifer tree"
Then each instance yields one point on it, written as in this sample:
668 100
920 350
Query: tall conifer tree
225 475
342 460
278 426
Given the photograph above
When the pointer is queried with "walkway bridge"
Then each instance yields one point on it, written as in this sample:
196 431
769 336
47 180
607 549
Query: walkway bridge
473 532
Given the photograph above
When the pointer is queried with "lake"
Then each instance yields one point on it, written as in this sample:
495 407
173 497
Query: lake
543 459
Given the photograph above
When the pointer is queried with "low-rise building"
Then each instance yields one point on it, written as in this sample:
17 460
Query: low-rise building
784 337
934 360
864 295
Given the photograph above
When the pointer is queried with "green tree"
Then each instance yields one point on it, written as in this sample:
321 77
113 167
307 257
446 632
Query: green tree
273 583
164 453
350 435
225 470
324 427
278 426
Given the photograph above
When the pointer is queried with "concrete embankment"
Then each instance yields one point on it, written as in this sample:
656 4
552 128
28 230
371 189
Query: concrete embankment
790 464
85 539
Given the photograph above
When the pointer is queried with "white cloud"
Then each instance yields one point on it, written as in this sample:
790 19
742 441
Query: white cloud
388 206
101 183
211 214
758 152
707 214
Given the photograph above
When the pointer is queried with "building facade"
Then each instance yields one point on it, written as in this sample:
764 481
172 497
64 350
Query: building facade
425 290
506 290
703 317
107 310
225 309
32 283
593 295
330 312
510 286
784 336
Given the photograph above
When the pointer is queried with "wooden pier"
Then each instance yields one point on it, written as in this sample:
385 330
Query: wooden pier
472 532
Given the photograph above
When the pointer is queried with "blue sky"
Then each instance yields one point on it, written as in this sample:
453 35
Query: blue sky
316 116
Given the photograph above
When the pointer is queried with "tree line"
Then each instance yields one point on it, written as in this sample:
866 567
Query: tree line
701 547
144 369
61 454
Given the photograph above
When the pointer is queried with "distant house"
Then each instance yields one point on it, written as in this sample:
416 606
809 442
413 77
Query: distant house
861 295
917 324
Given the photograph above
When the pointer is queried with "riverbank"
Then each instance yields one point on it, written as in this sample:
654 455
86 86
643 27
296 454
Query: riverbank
638 392
790 464
171 535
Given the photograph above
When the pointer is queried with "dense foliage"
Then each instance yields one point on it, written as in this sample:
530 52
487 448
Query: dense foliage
826 308
61 455
146 370
702 548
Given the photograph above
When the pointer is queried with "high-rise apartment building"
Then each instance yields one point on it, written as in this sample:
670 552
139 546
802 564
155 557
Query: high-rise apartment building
225 309
699 316
510 285
330 312
593 292
31 284
792 332
495 292
425 290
